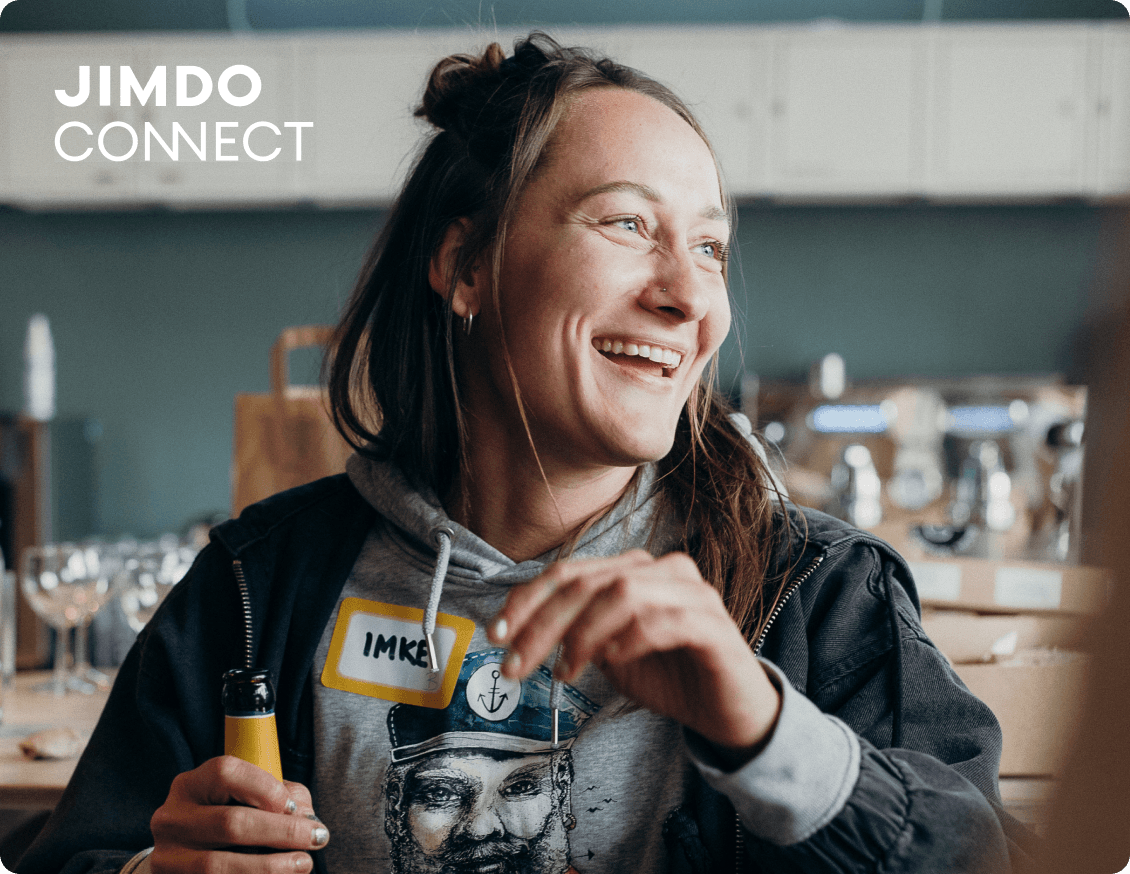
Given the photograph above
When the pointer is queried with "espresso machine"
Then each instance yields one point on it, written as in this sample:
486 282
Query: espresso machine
981 465
856 450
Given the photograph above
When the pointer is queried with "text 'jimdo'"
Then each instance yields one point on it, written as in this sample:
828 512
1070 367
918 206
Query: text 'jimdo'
238 85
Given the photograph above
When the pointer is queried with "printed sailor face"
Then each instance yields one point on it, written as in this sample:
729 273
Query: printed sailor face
479 787
480 812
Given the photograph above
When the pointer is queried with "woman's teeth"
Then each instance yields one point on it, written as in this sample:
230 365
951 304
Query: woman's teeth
667 357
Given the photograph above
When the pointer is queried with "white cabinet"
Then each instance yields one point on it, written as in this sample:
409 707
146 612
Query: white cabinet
847 113
249 154
1011 112
108 150
948 112
723 74
5 131
360 94
42 130
1113 166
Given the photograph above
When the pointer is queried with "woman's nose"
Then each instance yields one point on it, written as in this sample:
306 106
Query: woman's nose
682 292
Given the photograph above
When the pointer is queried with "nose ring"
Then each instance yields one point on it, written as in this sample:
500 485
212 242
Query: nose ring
664 290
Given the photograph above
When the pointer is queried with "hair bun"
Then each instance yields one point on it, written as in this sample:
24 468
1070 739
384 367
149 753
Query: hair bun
458 84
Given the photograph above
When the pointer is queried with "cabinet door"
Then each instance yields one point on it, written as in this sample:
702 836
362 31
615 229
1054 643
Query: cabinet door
1010 112
723 75
5 127
847 113
39 175
227 173
1113 174
360 93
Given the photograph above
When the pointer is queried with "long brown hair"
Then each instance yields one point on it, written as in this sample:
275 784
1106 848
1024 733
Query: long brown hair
393 386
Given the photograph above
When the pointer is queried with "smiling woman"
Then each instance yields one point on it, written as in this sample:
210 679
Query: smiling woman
525 158
614 240
647 659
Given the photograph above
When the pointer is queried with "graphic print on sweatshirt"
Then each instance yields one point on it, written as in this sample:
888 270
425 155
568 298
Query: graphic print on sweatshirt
480 785
456 771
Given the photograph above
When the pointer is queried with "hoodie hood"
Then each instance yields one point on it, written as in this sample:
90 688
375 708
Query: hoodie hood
416 513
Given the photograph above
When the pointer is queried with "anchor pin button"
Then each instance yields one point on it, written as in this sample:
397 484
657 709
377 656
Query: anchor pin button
491 695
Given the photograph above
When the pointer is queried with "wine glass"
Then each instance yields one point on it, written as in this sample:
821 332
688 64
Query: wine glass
101 562
147 576
65 584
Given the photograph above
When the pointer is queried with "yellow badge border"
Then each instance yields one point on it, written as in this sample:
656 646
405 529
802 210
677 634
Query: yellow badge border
438 699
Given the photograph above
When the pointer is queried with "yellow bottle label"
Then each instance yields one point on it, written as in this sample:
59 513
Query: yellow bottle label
254 739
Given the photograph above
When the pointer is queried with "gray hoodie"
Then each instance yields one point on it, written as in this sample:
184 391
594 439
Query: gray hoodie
462 770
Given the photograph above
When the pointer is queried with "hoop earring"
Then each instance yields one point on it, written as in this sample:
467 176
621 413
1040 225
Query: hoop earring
467 321
570 822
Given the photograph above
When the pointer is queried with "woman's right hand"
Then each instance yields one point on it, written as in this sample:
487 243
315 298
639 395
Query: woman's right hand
226 804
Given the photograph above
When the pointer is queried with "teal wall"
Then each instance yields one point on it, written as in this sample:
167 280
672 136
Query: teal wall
160 318
916 290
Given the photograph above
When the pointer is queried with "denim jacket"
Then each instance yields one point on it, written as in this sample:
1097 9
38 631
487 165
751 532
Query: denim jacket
926 799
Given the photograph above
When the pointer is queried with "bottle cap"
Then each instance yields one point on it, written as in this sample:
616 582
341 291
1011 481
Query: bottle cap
248 692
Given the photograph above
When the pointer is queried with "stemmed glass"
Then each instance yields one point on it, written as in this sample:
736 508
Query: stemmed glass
66 585
101 562
148 574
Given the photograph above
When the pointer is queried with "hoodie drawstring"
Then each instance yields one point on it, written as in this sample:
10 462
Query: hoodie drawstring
555 695
443 536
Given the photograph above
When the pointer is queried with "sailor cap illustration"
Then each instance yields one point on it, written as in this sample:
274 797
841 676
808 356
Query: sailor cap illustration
490 712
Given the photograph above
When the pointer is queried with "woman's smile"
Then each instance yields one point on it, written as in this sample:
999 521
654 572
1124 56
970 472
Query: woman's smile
641 355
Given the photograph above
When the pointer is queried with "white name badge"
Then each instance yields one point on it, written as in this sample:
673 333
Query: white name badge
379 650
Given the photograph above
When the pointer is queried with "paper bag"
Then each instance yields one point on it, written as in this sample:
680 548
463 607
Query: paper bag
284 438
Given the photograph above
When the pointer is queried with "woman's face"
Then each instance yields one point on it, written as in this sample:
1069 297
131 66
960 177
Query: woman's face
612 297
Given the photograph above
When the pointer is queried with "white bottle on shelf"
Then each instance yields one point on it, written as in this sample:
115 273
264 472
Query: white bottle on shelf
39 370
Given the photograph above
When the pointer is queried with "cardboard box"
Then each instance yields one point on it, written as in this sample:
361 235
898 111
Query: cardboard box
1038 698
974 637
1010 586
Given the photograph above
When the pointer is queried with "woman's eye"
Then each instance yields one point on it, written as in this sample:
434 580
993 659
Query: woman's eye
714 249
628 224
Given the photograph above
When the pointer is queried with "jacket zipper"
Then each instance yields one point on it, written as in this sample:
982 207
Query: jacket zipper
245 599
739 834
808 571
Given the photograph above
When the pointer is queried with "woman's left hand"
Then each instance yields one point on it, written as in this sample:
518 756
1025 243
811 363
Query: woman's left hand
657 630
